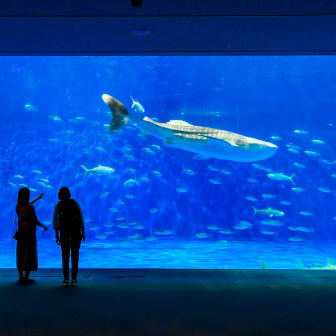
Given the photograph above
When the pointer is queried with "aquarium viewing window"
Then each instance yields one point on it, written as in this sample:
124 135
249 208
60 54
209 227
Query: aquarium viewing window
222 162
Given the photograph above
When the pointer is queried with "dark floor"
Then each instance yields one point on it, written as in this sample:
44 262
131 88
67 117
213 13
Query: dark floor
170 302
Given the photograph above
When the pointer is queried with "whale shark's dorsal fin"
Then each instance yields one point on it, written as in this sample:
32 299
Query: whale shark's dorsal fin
178 123
330 262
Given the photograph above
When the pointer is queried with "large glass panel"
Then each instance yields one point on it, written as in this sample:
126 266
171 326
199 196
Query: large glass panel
160 195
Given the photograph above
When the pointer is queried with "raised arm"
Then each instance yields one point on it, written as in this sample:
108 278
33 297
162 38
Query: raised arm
37 198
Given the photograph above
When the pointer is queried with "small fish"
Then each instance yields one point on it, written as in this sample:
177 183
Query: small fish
213 168
268 232
137 106
93 228
109 224
127 149
296 238
300 132
133 171
292 146
130 196
36 171
130 183
138 227
295 151
276 138
104 194
30 108
42 184
286 203
306 213
266 169
144 179
153 210
12 184
299 165
293 228
202 235
251 198
133 222
298 189
55 118
213 227
269 212
22 185
159 232
325 190
130 157
122 226
225 171
44 180
134 236
32 189
181 190
271 222
156 147
100 149
328 162
246 223
189 172
157 173
114 209
150 238
240 227
167 232
268 196
223 242
253 180
18 176
148 151
318 142
311 153
281 177
305 229
215 181
120 218
226 231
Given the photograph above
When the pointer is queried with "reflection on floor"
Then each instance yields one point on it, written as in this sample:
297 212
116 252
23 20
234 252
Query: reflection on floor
170 302
183 254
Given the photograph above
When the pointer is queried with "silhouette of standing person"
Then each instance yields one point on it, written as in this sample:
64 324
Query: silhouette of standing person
26 250
69 228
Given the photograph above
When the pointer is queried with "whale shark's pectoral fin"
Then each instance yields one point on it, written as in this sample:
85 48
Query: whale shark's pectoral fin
179 137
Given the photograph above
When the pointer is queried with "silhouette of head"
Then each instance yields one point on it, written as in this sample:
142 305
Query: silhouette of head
23 196
64 194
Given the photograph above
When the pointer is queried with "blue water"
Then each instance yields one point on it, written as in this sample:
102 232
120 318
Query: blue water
65 126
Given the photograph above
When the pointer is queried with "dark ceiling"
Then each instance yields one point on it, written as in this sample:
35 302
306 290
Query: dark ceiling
187 27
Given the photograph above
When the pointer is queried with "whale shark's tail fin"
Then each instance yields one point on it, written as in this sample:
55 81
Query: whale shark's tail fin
119 113
85 172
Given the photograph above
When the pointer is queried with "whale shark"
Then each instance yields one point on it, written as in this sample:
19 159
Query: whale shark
206 142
